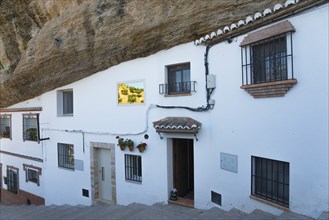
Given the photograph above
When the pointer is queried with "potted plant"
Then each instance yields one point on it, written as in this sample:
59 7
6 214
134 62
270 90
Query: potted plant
130 144
121 143
141 147
32 134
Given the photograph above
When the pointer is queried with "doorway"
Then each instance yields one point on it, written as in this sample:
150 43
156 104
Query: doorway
102 167
104 177
183 168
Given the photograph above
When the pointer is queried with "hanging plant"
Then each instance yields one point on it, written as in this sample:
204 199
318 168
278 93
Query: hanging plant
141 147
121 143
130 144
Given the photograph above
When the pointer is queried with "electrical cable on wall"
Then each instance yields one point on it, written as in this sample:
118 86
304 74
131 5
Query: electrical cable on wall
105 132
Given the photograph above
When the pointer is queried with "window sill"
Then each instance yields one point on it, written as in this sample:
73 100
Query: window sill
32 141
269 203
270 89
177 94
133 181
67 115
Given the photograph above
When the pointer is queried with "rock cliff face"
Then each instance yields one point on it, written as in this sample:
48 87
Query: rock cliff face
45 44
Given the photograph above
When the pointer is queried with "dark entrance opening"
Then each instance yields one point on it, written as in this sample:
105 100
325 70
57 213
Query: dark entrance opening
183 168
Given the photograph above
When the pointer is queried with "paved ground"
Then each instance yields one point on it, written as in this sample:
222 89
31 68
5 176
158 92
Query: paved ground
136 211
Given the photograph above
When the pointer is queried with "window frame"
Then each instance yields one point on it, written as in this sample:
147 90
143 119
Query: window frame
175 87
66 159
38 171
15 170
2 116
62 107
274 179
266 65
133 168
269 63
26 127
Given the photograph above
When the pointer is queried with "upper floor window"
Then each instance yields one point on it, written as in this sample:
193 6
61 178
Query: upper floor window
270 180
267 55
65 102
133 168
65 155
5 126
178 80
30 127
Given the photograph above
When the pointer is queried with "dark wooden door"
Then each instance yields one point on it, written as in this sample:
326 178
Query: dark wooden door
183 166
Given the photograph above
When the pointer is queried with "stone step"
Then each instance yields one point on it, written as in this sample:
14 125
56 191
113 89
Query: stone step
258 214
291 215
138 211
233 214
213 213
324 216
20 211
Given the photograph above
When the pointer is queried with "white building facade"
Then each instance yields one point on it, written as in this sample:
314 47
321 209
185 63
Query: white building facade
241 135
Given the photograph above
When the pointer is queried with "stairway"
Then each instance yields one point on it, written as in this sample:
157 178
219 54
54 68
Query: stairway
137 211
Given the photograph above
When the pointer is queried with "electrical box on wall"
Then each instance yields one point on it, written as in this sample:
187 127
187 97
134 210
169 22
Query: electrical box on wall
229 162
211 81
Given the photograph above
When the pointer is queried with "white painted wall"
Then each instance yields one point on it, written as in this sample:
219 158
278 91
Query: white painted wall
18 146
293 128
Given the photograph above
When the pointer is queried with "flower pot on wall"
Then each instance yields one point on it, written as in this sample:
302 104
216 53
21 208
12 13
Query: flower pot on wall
141 149
131 148
122 147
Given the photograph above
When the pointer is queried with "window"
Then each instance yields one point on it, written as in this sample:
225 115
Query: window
65 103
178 80
30 127
65 155
269 60
267 55
12 179
270 180
32 173
5 126
133 167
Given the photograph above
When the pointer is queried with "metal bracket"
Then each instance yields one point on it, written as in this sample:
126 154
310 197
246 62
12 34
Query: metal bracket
160 135
196 137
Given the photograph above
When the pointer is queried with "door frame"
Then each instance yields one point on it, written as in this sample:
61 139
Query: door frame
170 162
94 148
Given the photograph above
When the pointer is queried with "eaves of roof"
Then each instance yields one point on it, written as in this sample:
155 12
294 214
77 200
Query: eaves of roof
259 19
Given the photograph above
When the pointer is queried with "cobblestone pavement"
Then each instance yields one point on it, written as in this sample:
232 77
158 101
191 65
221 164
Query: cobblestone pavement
137 211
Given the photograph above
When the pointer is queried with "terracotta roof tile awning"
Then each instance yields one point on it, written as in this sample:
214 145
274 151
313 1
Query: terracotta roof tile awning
177 125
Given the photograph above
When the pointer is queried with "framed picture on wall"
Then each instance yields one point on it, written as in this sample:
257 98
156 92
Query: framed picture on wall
131 92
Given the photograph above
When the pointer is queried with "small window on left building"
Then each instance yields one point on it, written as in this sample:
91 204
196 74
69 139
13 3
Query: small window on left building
12 179
30 127
32 173
5 126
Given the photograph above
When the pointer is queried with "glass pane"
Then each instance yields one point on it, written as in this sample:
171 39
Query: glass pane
178 76
30 128
68 102
5 127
